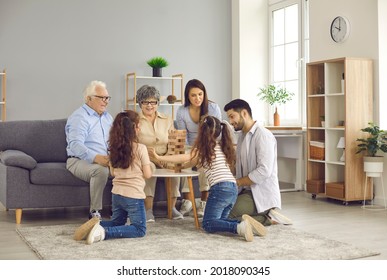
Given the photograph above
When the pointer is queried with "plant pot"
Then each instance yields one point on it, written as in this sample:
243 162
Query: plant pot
276 118
373 166
157 72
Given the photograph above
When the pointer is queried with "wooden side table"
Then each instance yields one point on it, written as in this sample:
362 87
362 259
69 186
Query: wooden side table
168 174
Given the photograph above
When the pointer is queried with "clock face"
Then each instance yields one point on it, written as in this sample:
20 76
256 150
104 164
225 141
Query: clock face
339 29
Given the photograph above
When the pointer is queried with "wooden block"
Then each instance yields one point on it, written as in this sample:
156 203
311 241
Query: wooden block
176 145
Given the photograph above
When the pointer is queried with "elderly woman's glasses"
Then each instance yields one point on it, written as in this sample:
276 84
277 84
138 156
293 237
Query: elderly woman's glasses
144 102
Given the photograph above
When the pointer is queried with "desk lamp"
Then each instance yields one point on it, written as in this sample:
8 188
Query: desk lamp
341 145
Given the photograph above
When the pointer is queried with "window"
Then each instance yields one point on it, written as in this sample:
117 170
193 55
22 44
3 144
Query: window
288 55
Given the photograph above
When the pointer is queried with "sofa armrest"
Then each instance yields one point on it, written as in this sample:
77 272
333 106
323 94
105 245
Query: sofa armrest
18 159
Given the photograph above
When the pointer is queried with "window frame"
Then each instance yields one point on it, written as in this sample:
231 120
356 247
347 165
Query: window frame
303 41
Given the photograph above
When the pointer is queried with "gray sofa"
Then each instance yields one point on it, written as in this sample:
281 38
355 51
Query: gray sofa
33 170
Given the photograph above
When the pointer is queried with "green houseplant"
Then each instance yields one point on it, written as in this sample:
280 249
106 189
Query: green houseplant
376 140
275 95
157 63
371 145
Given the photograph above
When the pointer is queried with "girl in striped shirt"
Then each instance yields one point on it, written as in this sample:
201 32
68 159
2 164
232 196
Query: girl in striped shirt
214 151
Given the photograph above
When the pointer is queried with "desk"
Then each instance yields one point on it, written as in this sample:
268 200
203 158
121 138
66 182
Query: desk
168 174
290 146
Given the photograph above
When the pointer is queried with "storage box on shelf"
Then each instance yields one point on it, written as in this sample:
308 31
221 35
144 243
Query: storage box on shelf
315 187
335 189
346 107
133 82
317 150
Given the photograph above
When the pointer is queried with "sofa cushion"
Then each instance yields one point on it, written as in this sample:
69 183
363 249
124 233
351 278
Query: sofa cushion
17 159
44 140
54 173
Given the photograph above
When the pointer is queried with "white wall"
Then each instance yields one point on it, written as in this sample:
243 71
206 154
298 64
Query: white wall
363 38
53 48
382 31
250 52
382 24
367 39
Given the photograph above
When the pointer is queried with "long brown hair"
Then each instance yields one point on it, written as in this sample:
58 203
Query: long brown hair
194 83
122 137
210 128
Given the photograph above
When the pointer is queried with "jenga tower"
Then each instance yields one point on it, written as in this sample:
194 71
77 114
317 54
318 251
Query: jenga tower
176 145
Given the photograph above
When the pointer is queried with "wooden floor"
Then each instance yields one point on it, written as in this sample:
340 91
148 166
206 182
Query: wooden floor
330 218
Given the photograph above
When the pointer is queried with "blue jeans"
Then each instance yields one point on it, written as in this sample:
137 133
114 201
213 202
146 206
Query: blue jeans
221 199
123 208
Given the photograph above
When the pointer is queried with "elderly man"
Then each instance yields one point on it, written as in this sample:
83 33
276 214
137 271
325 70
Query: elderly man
87 133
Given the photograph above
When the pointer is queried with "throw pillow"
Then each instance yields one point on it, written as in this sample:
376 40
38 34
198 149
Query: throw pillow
18 159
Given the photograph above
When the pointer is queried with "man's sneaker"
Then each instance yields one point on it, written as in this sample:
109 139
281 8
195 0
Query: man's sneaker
257 227
279 218
94 213
244 229
186 207
201 208
96 234
176 215
82 231
149 216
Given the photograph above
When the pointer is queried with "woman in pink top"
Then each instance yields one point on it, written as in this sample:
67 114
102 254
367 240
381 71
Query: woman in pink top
130 166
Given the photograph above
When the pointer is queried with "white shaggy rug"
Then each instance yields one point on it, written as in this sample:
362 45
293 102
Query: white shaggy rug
168 239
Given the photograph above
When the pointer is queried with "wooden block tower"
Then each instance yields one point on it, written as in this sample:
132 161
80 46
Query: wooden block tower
176 145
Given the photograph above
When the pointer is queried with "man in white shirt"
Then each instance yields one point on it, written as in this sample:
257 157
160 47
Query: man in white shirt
256 168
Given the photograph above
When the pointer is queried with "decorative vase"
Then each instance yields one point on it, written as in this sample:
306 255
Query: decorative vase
276 118
156 72
373 166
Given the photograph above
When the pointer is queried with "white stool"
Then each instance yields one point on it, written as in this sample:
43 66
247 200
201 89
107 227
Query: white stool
372 206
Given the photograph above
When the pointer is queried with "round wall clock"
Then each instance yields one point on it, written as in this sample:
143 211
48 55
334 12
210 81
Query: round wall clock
340 29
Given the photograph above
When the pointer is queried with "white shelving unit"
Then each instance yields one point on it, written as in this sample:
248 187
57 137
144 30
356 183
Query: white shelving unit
346 105
132 83
3 95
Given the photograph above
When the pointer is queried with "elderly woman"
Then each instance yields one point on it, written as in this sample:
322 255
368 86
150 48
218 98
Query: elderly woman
154 128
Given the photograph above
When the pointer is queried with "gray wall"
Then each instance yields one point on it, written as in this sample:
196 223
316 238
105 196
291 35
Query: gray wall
52 49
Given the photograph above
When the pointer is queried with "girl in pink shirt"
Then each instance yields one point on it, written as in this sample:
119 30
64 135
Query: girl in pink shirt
130 166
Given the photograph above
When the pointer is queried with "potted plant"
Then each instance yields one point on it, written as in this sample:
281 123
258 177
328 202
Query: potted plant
275 95
375 142
157 63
